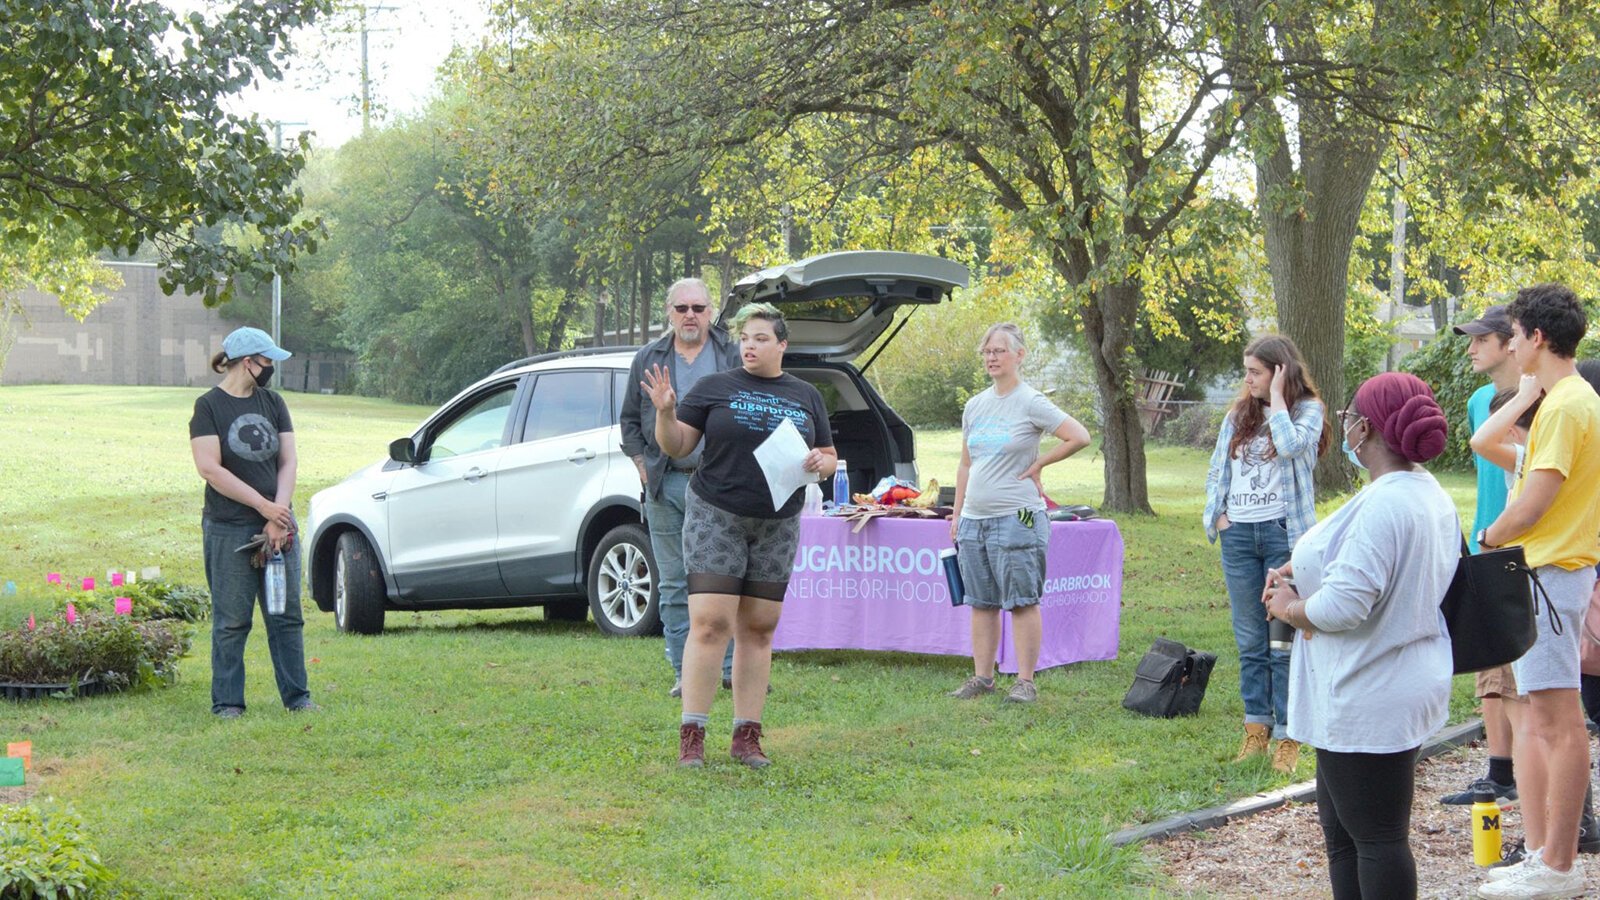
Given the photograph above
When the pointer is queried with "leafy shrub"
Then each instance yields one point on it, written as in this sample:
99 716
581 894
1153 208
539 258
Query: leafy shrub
117 651
44 853
1443 364
1196 426
932 368
151 600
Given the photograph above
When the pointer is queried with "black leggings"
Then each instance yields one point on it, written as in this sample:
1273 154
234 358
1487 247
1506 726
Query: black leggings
1364 803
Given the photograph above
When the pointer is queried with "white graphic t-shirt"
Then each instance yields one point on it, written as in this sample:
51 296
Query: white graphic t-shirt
1256 491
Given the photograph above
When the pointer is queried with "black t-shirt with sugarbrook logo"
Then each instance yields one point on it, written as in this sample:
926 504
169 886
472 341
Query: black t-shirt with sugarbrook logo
736 411
248 429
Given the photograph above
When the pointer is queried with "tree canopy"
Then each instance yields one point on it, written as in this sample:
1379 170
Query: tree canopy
113 133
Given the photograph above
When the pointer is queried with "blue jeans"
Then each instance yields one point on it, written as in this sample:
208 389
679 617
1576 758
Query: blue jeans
665 512
1249 549
236 589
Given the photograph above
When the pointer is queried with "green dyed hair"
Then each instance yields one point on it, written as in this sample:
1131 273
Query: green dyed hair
764 311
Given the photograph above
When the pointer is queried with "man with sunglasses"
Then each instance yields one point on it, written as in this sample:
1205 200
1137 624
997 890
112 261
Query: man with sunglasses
690 350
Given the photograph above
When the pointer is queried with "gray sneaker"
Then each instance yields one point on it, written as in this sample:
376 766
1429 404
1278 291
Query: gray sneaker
677 688
973 687
1022 692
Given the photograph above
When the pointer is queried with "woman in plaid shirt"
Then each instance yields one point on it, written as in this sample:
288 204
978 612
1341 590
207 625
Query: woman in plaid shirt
1260 498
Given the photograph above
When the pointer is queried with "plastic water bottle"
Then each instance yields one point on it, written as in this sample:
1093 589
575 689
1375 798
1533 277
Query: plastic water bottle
813 505
1485 829
276 584
841 485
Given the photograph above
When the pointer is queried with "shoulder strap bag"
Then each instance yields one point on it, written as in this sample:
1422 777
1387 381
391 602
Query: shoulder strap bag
1490 609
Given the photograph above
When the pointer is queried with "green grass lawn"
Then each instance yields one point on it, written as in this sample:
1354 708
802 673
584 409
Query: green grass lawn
497 754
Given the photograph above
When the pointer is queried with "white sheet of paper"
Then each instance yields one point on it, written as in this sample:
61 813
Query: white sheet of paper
780 457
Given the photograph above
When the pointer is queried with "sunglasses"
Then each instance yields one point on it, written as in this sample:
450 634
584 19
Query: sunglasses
685 307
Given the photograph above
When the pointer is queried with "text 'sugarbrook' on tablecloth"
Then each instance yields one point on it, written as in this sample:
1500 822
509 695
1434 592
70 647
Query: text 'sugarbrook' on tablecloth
883 589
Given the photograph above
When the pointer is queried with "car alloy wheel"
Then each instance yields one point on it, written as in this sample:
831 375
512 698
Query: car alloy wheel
622 583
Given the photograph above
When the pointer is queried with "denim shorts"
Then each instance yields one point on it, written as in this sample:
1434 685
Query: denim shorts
1002 559
1552 662
726 553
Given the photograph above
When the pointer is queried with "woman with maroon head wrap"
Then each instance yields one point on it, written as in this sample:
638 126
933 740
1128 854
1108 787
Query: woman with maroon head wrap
1369 675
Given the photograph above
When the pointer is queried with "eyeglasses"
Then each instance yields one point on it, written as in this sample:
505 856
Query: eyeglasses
685 307
992 352
1348 417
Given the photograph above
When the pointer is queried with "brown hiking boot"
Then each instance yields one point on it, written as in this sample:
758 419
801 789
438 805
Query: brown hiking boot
1255 741
691 746
746 746
1286 756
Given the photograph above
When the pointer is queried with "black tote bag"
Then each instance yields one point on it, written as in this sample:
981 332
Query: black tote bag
1490 609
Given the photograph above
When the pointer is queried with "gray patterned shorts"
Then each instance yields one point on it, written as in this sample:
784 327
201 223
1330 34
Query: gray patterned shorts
725 553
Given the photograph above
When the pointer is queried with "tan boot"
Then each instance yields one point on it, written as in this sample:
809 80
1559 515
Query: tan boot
1286 756
1255 741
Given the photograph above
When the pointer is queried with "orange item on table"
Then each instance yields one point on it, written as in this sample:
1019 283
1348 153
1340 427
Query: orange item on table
23 749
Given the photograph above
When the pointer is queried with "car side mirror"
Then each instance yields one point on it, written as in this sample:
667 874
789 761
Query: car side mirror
403 450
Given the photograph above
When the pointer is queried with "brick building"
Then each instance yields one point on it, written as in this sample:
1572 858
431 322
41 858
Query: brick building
139 336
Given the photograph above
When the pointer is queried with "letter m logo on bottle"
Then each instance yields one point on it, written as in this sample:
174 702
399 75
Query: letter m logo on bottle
1491 823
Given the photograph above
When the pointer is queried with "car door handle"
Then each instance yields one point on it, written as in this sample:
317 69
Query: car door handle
581 455
473 474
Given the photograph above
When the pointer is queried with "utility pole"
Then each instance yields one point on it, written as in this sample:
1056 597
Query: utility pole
277 279
366 82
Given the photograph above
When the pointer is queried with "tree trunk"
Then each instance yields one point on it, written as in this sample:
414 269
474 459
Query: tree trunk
524 309
565 310
1309 243
1108 325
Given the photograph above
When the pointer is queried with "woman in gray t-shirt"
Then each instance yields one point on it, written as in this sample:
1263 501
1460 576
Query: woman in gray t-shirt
998 526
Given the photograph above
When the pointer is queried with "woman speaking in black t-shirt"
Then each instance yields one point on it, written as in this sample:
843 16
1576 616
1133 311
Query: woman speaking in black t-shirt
737 549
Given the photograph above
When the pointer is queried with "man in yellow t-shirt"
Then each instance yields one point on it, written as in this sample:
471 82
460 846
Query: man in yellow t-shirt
1554 517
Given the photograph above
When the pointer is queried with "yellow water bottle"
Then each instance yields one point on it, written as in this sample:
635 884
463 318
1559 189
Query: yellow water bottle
1485 829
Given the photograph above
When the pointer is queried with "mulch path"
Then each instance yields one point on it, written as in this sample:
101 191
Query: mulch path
1279 853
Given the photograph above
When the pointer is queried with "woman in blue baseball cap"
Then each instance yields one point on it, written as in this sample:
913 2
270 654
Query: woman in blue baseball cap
243 445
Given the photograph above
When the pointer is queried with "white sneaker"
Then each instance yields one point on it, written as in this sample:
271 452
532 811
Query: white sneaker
1537 881
1504 872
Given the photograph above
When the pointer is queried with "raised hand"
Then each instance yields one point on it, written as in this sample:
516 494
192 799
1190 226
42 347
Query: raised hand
1279 375
658 384
1528 389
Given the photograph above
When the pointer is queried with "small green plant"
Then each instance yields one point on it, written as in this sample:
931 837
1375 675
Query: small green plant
116 651
151 600
45 853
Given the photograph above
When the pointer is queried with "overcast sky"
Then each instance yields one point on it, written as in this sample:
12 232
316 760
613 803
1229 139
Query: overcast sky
407 40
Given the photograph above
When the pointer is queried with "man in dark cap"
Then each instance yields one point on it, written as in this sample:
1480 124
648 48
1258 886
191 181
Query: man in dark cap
1488 350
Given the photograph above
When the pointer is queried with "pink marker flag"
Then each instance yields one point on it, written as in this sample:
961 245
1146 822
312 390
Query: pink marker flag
123 605
72 614
116 579
53 578
30 621
88 584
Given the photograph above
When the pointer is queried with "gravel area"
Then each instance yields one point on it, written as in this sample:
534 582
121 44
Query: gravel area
1279 853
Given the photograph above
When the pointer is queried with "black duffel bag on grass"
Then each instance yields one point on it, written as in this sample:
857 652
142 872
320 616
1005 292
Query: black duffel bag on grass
1170 681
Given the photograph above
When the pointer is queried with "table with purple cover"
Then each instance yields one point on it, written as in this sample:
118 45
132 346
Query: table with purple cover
883 588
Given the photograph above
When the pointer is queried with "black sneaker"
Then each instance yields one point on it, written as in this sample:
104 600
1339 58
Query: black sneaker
1503 793
1515 855
1588 834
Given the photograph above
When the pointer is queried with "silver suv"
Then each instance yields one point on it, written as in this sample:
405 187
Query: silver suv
516 492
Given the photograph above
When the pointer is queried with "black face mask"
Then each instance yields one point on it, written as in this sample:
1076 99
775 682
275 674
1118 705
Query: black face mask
264 376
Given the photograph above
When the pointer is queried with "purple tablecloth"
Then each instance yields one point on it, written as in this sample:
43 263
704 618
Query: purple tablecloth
883 589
